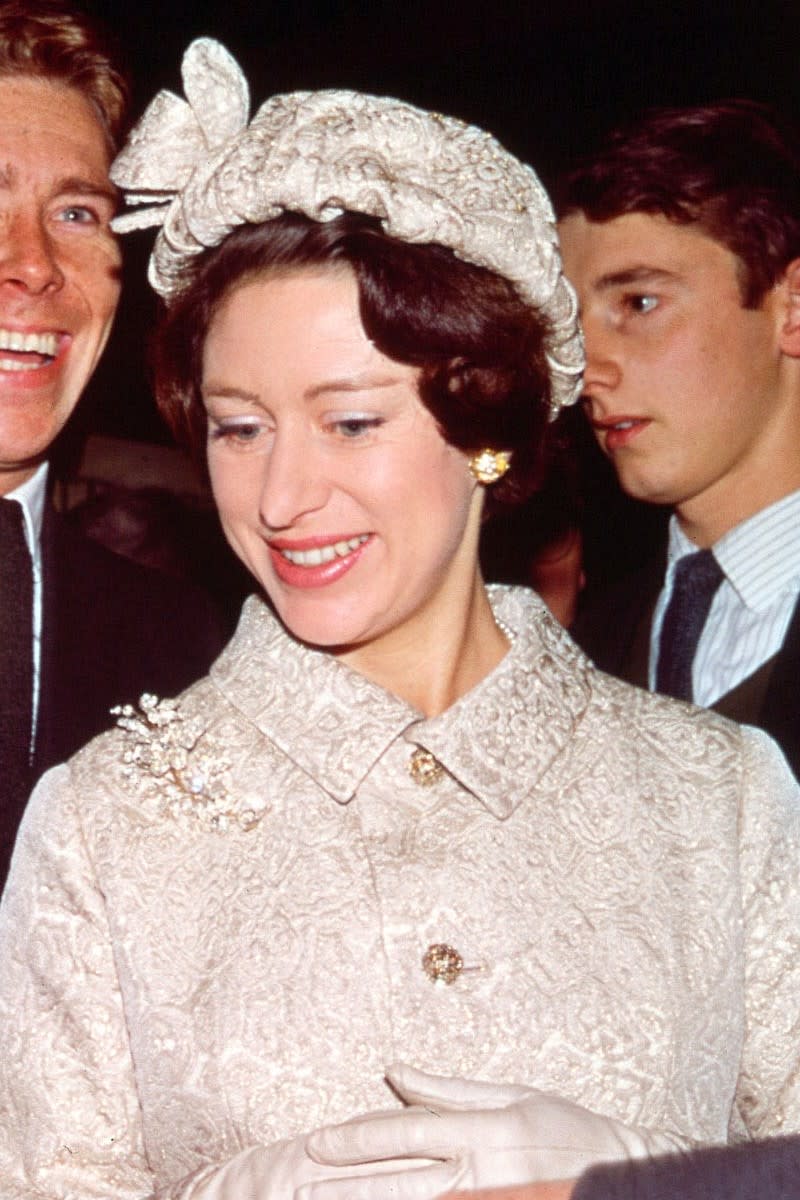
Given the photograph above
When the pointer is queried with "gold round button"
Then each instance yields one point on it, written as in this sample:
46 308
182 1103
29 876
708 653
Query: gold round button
423 767
441 963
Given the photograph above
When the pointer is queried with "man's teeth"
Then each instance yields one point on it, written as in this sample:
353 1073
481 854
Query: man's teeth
324 554
13 364
29 343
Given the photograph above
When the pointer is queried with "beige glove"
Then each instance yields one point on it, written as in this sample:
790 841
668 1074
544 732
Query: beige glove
258 1173
483 1135
273 1172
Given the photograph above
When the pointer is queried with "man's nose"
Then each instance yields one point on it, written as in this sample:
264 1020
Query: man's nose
603 360
28 258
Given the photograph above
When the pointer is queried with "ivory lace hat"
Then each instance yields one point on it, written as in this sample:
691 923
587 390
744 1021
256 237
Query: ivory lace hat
198 169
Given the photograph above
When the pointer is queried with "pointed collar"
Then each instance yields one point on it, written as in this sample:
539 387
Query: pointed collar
497 740
760 556
31 496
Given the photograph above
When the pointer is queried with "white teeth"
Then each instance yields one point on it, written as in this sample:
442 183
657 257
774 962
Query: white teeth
29 343
13 364
324 554
624 425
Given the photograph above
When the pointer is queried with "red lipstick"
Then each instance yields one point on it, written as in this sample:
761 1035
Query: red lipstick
316 574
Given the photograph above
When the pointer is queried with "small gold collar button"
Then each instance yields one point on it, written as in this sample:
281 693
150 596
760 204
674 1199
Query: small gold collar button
423 768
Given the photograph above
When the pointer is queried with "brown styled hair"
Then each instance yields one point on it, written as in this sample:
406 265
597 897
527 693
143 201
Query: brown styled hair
731 167
479 347
46 39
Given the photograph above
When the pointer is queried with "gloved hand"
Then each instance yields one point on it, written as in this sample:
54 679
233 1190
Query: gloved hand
483 1135
272 1172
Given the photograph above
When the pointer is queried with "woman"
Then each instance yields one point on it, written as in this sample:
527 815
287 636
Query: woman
403 818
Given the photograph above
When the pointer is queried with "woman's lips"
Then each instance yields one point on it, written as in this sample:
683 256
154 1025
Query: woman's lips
316 562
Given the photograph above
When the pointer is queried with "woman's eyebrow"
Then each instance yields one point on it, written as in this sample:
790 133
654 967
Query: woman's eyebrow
353 383
225 391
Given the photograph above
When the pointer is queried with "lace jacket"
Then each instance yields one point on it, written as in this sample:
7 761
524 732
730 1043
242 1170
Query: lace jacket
217 917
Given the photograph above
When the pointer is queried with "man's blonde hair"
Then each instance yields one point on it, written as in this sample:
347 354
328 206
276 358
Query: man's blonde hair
46 39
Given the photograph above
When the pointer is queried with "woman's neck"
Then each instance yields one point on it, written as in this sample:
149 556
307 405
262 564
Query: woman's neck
439 656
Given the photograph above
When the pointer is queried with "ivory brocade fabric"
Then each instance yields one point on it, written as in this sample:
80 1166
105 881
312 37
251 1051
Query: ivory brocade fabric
184 973
200 170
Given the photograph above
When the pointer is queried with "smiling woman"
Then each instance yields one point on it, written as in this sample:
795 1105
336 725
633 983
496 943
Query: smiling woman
336 346
371 535
403 817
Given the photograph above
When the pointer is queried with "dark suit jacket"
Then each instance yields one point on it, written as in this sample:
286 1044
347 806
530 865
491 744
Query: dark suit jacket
768 1170
111 630
613 627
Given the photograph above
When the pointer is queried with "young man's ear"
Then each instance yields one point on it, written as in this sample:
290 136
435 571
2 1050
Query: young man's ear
790 330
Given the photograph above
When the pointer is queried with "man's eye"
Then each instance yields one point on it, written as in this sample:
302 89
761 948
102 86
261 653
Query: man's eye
78 214
642 303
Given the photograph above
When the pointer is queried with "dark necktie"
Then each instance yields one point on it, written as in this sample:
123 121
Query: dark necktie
697 577
16 668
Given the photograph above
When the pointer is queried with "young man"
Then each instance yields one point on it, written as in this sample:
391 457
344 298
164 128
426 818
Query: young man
80 629
682 238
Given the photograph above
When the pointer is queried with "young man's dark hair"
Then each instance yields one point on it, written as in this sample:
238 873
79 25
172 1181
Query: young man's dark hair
732 168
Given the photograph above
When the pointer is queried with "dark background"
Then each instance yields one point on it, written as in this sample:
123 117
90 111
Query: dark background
545 76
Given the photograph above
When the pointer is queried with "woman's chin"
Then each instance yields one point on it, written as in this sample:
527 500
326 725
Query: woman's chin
324 632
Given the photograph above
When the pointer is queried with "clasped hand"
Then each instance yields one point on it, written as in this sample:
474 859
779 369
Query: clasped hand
454 1134
474 1135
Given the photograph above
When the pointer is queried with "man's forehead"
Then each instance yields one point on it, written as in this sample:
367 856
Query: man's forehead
47 123
632 247
87 182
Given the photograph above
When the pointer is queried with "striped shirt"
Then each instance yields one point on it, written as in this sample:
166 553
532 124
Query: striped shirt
751 611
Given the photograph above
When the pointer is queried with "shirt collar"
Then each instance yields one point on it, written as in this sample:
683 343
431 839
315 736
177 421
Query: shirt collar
30 495
335 724
760 556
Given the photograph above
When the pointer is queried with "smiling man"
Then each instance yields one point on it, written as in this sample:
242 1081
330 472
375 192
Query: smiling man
682 239
80 629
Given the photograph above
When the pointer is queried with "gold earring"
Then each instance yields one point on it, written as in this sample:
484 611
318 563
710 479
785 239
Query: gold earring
490 465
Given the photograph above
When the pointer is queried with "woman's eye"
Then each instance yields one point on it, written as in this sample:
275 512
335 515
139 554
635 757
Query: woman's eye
241 433
354 427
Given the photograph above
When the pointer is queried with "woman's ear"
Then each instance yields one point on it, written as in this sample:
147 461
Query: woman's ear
790 329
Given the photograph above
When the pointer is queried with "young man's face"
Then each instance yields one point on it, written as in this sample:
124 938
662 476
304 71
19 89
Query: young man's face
59 263
689 393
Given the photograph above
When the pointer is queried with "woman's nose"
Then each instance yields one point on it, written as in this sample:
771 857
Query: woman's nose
294 483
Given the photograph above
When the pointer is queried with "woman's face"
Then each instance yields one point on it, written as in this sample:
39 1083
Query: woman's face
333 482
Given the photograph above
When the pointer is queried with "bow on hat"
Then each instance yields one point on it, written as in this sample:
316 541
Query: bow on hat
201 170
